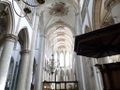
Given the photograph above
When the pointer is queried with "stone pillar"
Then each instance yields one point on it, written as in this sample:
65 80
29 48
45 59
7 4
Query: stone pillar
5 59
78 72
96 73
79 62
97 76
82 73
39 71
78 24
22 75
32 53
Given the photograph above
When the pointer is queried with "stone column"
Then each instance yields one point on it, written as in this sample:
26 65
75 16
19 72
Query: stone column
77 67
39 71
96 73
79 62
80 72
78 24
22 75
97 76
32 53
5 59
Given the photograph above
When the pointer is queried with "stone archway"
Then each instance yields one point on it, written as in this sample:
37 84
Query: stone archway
6 20
23 38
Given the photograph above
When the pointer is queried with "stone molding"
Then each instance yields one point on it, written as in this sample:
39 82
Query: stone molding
11 37
25 51
107 21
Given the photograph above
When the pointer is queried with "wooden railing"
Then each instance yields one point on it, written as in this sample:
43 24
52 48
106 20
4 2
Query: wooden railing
111 75
60 85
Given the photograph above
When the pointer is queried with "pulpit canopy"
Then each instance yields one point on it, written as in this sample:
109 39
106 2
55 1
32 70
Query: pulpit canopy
99 43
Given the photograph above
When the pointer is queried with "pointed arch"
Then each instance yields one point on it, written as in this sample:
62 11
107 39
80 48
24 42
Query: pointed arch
10 16
23 38
6 20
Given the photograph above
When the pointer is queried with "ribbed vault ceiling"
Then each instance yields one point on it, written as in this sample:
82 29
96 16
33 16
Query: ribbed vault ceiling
58 16
60 38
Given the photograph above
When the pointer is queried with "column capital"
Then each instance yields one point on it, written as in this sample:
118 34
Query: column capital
11 37
25 51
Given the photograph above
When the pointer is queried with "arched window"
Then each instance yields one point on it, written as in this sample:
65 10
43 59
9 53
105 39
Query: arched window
61 59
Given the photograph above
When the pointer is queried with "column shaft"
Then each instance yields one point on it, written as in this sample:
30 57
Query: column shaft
22 75
5 59
96 75
80 72
39 72
79 62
